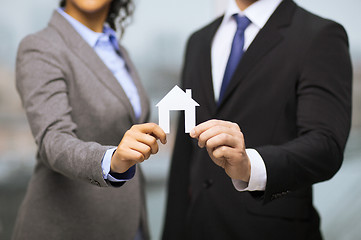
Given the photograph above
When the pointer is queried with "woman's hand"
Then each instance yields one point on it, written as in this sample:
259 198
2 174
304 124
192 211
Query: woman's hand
138 143
224 142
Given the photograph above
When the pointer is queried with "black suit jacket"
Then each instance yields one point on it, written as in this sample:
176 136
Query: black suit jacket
291 96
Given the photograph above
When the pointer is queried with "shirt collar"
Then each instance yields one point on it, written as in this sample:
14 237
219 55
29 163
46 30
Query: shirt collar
258 13
87 34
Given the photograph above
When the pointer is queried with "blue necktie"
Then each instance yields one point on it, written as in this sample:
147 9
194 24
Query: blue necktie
236 52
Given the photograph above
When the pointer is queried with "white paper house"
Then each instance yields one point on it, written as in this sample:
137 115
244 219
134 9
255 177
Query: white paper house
177 100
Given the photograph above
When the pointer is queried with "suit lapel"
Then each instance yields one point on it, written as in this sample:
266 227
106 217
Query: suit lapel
144 101
267 38
91 59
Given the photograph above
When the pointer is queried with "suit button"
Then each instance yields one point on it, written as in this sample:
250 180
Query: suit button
208 183
276 195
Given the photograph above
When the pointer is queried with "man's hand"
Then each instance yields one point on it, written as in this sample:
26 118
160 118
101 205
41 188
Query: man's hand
138 143
224 142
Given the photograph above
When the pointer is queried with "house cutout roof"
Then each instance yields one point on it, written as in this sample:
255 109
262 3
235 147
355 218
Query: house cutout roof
177 99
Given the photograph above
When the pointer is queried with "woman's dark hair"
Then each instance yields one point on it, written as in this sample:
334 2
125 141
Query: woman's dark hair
119 12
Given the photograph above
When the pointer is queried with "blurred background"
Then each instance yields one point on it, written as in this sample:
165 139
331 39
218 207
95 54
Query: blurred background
156 40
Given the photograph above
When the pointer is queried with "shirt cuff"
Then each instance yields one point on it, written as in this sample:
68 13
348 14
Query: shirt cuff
111 176
122 177
258 178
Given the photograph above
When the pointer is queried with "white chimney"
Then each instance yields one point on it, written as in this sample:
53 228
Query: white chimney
189 93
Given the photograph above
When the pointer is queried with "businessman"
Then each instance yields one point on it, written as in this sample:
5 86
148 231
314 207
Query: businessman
274 86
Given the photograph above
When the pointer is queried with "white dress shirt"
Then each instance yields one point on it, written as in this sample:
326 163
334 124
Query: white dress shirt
258 13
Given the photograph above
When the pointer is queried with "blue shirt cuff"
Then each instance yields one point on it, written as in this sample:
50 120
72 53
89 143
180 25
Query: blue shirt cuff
112 176
120 177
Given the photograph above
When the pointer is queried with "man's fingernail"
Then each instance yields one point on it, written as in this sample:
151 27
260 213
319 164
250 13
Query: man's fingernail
192 133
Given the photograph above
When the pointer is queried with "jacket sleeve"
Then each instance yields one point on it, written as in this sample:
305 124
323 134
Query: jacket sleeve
40 81
323 117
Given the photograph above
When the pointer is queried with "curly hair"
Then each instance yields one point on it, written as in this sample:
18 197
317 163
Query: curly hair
119 13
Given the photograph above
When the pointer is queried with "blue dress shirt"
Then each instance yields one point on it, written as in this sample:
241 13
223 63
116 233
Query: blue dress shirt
106 46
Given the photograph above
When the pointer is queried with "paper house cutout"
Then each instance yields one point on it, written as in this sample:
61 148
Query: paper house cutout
177 100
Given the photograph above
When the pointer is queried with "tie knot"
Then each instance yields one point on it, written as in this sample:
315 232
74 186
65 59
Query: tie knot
242 22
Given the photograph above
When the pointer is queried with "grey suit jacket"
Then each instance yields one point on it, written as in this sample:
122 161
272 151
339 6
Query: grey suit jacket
76 110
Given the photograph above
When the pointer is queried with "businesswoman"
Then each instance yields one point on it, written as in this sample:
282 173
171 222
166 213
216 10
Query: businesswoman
85 106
